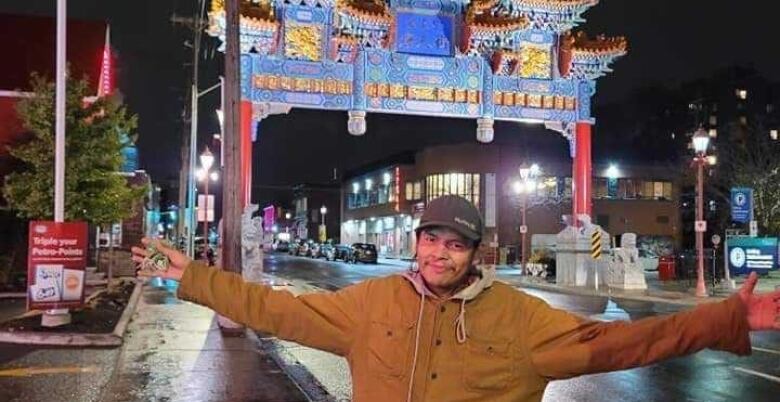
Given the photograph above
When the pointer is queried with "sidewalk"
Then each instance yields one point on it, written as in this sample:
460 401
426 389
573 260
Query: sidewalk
674 292
174 351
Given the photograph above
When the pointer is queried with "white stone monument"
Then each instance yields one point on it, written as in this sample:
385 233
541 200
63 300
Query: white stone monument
625 271
574 265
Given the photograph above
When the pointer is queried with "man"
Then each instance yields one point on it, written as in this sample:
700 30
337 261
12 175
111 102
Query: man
445 331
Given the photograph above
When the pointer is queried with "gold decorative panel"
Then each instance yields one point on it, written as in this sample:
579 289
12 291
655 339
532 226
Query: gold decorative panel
460 95
559 102
535 62
303 42
548 101
422 93
397 91
569 103
446 94
509 99
534 100
497 98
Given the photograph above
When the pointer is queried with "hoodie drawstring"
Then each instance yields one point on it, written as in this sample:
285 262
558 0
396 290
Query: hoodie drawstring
460 323
416 347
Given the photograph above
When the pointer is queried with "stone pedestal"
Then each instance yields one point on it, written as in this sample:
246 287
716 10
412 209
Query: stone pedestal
573 263
625 271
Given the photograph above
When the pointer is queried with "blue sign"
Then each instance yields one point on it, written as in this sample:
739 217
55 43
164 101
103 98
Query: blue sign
741 204
748 254
424 34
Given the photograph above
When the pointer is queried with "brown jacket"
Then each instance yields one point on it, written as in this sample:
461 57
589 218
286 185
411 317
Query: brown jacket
489 343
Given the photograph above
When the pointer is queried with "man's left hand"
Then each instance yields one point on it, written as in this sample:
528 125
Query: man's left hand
763 310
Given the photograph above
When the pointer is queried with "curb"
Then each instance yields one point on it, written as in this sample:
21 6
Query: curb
638 297
113 339
296 372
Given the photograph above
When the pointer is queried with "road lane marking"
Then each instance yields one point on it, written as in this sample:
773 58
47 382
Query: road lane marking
31 371
775 352
758 374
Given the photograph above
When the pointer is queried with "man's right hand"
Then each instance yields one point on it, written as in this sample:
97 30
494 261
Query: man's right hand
178 261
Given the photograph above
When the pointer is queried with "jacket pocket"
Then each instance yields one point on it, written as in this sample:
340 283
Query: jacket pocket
388 348
488 365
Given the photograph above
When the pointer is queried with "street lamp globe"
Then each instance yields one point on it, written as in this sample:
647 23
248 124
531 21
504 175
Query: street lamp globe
207 159
200 174
535 170
214 176
287 216
518 187
323 210
701 140
525 171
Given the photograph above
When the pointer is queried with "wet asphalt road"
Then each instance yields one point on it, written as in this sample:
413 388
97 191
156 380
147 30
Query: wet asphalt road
705 376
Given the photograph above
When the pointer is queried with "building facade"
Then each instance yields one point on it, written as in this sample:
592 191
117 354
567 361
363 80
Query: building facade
308 220
383 205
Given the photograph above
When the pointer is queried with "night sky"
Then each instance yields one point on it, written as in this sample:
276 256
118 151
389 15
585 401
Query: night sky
669 42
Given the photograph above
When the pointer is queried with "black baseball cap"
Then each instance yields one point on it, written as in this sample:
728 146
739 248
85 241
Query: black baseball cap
453 212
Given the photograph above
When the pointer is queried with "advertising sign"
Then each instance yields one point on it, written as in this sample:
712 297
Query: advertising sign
741 204
746 254
56 262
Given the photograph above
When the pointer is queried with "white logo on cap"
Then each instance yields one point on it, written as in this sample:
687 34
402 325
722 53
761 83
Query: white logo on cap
465 223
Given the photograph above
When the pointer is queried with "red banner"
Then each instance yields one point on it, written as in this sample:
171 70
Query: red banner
56 262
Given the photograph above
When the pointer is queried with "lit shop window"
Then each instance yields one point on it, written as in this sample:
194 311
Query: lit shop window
465 185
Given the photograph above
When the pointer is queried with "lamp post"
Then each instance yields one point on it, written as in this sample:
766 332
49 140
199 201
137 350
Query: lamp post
522 188
701 141
206 161
324 231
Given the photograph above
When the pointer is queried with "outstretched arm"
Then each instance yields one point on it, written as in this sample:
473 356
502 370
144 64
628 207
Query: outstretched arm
324 321
564 345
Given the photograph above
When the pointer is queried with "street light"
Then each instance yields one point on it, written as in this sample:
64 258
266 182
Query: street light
324 230
526 185
701 141
206 161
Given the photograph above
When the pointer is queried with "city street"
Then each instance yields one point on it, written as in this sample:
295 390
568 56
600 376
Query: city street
705 376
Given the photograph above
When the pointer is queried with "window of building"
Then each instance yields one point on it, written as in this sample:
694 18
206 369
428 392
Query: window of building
773 134
713 133
713 120
743 120
664 220
465 185
417 190
742 94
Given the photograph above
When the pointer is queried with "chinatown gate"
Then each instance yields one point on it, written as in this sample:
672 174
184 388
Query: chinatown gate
486 60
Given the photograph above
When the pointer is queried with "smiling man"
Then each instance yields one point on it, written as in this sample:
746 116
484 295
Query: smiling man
446 331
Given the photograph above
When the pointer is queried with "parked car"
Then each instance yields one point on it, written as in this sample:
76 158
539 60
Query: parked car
304 250
282 246
364 252
315 250
295 248
328 252
342 252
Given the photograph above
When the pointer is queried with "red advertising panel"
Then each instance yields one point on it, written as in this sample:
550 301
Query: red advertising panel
56 262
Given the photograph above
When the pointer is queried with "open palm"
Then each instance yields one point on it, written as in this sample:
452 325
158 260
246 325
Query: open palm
178 261
763 310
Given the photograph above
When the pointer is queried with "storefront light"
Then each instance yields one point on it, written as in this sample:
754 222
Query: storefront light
369 182
386 178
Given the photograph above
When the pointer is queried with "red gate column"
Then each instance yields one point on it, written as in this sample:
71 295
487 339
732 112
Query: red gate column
581 166
246 152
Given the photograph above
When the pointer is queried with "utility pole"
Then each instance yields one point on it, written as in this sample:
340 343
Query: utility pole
231 194
197 26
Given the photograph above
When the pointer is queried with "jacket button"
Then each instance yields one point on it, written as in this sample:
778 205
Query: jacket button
433 376
443 309
438 342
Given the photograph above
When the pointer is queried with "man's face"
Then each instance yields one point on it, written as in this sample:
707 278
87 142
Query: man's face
444 258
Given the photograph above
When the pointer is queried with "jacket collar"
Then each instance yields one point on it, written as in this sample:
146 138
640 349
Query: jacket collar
476 283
